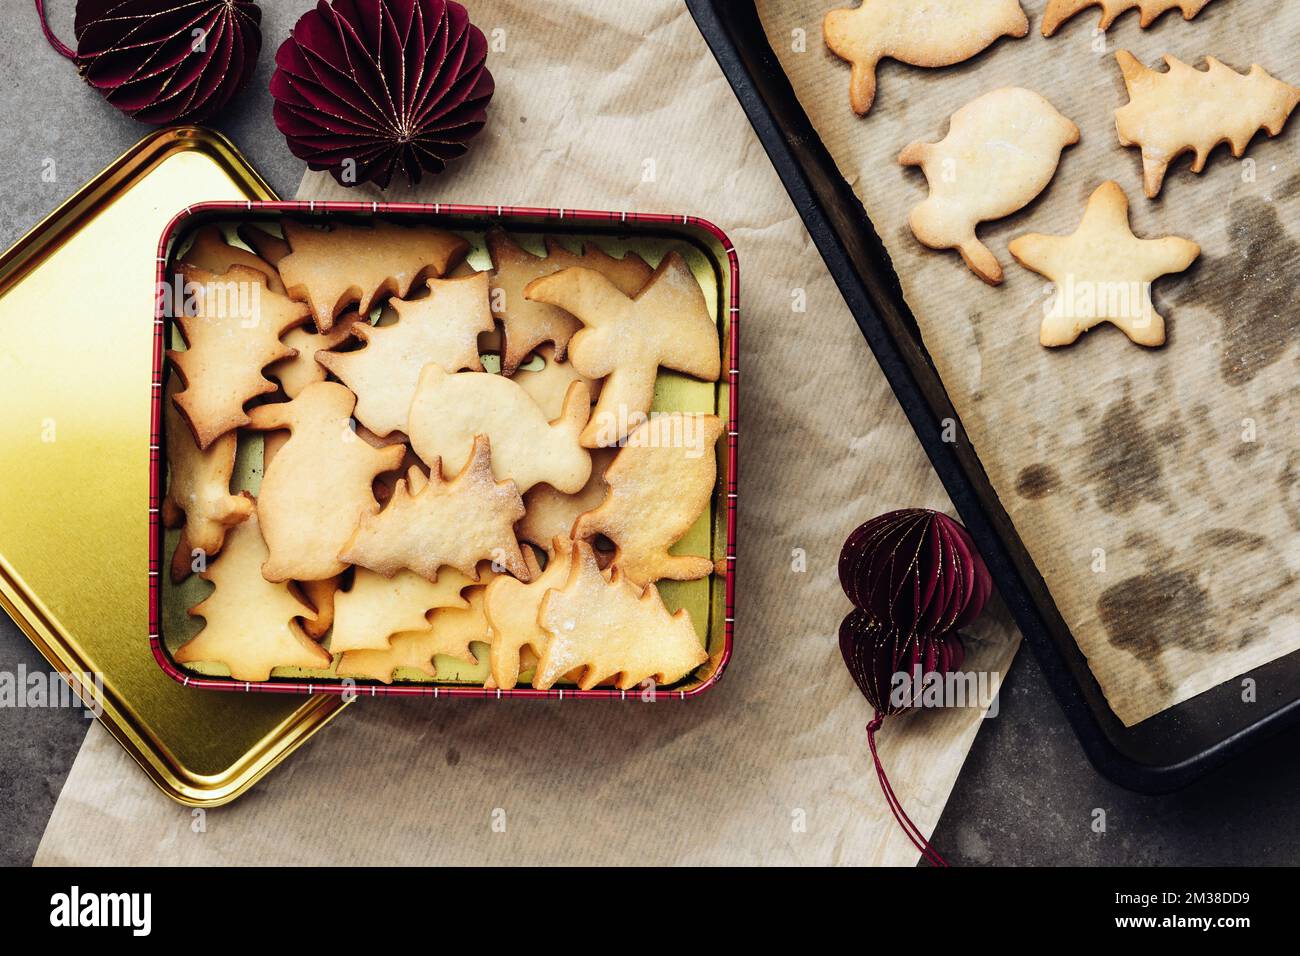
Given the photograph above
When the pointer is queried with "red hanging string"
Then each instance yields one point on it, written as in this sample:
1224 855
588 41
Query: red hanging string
895 805
55 42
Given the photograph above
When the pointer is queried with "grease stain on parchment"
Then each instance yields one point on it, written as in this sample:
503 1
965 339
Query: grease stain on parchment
1288 487
1251 291
1223 574
1037 481
1145 612
1123 458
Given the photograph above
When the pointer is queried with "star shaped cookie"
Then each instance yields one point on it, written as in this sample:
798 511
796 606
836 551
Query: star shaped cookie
1103 272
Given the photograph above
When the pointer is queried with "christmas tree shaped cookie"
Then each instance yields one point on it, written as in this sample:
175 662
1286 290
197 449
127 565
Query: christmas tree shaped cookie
317 487
528 324
249 622
449 412
439 523
659 484
1058 11
232 325
450 632
626 339
1103 273
377 607
333 269
608 627
441 329
1187 110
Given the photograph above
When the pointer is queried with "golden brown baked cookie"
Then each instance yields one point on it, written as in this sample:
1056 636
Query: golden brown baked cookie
317 487
626 340
250 624
355 266
609 626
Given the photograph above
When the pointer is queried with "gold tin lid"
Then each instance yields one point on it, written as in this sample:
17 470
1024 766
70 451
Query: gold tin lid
76 351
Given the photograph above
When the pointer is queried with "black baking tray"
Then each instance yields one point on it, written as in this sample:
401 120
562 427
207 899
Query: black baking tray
1160 754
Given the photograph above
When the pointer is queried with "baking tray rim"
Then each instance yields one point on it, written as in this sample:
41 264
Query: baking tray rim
351 689
797 152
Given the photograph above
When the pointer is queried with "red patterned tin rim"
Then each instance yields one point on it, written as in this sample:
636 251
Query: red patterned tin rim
355 689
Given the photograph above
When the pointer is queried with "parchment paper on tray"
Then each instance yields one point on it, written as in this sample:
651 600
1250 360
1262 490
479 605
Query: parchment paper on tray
1158 491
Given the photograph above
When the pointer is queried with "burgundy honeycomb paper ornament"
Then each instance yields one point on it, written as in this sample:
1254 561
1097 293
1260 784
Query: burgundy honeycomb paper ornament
914 577
916 570
369 88
164 61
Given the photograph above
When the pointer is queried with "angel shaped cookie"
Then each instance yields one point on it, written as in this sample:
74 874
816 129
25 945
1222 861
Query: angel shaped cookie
626 339
198 490
659 484
529 324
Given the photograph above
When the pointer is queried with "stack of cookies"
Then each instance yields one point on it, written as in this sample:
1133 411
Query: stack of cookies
417 502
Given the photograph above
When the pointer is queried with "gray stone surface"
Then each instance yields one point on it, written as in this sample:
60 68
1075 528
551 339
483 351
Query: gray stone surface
1027 794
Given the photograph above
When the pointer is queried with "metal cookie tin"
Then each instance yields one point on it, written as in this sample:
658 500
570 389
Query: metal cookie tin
75 352
710 602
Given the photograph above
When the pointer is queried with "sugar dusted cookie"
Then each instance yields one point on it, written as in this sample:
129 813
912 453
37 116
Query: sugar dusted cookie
512 610
211 252
1103 273
1001 151
377 607
333 269
550 514
440 523
317 487
450 411
441 329
1187 110
928 33
660 482
449 632
1058 11
626 340
528 324
232 325
549 384
609 626
198 489
300 370
249 623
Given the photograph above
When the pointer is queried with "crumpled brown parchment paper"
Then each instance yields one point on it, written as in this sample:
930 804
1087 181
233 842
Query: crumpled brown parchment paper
1158 491
622 106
